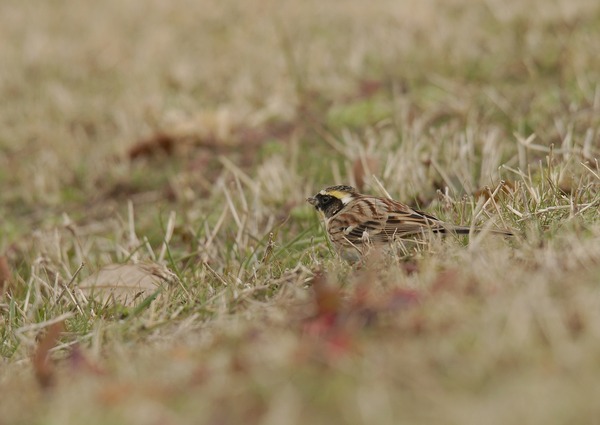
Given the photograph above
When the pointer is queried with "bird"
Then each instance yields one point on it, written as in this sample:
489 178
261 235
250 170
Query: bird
354 222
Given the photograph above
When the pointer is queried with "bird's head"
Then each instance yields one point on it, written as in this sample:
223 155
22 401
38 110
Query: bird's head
331 200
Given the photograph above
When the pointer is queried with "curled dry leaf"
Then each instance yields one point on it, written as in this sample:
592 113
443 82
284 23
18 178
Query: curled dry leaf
4 274
154 145
42 366
125 283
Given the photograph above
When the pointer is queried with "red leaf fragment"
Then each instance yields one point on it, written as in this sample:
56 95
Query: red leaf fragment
79 362
327 298
446 280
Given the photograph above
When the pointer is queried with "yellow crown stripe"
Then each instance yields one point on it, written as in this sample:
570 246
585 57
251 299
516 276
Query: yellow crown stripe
338 194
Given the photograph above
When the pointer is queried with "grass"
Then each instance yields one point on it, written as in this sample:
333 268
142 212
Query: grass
182 139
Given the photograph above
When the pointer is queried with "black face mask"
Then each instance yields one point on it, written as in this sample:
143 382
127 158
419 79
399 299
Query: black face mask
330 205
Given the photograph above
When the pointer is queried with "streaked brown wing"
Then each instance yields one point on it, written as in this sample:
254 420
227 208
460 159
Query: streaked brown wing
408 224
349 225
406 221
396 225
383 220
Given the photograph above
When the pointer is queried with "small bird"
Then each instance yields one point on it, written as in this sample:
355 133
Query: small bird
354 221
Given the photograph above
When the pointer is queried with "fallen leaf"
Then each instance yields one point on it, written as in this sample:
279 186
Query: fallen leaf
79 362
368 88
402 298
42 365
160 143
331 331
115 393
125 283
369 305
575 323
5 275
327 302
446 280
410 267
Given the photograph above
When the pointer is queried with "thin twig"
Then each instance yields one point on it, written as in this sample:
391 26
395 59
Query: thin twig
42 325
66 287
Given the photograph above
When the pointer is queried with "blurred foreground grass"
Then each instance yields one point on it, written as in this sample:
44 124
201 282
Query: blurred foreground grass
183 137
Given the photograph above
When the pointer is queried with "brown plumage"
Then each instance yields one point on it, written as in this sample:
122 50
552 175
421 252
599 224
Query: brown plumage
354 221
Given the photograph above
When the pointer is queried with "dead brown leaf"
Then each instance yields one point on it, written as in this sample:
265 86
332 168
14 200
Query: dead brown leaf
42 365
125 283
327 302
410 267
80 363
402 298
255 136
5 275
369 304
368 88
115 393
446 280
157 144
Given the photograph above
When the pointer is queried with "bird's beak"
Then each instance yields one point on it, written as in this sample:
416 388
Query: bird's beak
312 201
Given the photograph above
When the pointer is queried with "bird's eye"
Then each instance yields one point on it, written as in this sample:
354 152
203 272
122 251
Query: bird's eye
325 199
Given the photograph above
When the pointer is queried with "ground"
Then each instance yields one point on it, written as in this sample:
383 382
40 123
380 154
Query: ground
180 139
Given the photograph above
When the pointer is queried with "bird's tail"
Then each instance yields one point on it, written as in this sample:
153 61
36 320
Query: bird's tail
463 230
